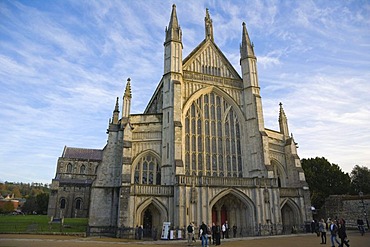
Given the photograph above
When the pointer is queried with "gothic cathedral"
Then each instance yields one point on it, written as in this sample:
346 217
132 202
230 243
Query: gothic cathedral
199 152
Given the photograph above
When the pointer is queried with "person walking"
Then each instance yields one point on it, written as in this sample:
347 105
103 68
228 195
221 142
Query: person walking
322 230
342 233
333 233
204 235
190 229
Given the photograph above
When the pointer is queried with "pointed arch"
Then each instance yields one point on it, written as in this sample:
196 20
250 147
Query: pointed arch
145 204
237 193
217 91
290 214
213 130
279 172
146 168
236 208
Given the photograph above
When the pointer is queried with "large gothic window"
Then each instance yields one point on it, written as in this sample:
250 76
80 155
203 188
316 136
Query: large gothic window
148 170
212 138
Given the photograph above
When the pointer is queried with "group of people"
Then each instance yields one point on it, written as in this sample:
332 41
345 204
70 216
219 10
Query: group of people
336 228
209 233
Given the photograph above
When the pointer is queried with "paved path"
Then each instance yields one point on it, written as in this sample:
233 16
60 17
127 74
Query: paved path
300 240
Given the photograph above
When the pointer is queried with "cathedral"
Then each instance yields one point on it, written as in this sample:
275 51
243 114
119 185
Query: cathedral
199 152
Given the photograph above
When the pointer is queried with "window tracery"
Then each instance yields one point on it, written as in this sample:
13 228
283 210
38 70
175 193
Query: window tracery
148 170
212 138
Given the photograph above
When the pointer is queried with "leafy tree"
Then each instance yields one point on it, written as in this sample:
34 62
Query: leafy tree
16 192
42 201
7 207
30 205
324 179
360 177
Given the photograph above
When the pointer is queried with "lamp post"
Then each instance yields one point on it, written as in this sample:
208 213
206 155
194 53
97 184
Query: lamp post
364 207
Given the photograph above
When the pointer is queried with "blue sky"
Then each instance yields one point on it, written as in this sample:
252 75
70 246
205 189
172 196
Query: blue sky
63 63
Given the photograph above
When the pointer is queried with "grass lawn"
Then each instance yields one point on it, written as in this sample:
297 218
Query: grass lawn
40 224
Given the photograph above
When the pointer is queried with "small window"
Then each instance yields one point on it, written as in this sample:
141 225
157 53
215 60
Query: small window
82 169
78 204
63 203
69 168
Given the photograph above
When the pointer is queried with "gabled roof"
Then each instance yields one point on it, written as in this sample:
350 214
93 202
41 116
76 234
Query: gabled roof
208 58
82 153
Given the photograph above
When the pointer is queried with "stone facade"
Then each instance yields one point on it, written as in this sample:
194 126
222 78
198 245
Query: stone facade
199 152
71 187
348 207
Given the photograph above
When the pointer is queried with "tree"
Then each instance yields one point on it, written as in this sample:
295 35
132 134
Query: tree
42 201
30 205
360 177
324 179
16 192
7 207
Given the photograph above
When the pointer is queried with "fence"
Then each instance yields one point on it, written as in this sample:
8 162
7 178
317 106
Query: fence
41 225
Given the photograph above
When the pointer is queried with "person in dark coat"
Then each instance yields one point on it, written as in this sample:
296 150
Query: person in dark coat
235 228
213 233
342 233
218 234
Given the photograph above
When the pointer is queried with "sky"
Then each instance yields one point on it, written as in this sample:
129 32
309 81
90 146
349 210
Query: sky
63 63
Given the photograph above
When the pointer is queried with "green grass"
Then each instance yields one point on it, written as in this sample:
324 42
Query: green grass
40 224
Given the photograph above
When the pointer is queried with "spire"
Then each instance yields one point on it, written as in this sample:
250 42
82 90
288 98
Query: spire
115 113
126 104
208 26
246 48
128 89
173 32
283 121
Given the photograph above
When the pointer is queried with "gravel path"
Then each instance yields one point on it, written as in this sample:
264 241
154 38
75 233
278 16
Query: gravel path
301 240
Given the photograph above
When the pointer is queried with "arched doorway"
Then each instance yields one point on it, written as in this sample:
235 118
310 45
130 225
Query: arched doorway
151 221
235 212
290 217
148 222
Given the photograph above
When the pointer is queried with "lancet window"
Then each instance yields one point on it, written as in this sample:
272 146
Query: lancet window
212 138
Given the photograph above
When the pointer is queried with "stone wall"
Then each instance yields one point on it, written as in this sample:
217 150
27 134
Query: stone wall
348 207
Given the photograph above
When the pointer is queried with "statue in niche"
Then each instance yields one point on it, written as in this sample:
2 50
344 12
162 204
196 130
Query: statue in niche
193 195
266 195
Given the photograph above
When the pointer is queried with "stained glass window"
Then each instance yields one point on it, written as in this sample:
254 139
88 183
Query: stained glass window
212 135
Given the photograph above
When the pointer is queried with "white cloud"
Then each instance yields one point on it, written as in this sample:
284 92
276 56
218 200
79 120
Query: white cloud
62 65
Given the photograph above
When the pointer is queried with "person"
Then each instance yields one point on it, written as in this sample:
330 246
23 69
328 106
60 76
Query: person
342 233
360 225
204 235
223 229
213 233
137 232
194 238
322 230
227 229
140 232
218 234
209 233
235 228
333 233
190 230
313 226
